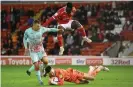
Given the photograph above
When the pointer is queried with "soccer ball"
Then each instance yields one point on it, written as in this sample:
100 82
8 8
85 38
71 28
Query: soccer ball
53 80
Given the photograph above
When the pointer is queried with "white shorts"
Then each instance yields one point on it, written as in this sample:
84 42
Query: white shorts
67 25
36 56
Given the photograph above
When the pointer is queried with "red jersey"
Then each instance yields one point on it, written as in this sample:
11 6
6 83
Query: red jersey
61 16
68 75
63 74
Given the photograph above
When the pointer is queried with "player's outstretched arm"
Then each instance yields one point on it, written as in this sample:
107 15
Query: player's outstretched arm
26 44
51 30
25 39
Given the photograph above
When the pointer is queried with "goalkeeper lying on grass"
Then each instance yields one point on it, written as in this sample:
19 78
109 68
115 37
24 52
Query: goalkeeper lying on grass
58 76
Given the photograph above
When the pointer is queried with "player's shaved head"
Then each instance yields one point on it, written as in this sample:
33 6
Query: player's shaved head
48 69
69 5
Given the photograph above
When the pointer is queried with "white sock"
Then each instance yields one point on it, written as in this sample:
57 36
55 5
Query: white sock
91 68
38 74
31 68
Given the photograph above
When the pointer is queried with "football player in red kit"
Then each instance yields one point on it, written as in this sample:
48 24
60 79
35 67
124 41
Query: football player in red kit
65 21
73 75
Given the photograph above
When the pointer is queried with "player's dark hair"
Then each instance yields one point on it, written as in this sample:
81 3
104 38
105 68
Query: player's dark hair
69 5
47 70
36 21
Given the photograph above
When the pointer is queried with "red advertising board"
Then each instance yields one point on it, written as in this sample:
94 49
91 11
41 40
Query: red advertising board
63 61
94 61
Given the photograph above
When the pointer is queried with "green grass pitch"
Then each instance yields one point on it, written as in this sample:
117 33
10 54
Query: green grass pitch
119 76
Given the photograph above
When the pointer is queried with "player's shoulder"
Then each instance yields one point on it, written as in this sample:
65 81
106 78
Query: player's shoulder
43 29
28 29
62 9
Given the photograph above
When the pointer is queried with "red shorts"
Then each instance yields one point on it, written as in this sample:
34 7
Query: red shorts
79 75
76 76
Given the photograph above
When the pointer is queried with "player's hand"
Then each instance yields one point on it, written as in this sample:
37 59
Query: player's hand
87 39
61 50
26 53
74 9
60 31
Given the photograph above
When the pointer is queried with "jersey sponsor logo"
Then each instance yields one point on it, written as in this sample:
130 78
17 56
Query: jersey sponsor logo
120 62
63 61
94 61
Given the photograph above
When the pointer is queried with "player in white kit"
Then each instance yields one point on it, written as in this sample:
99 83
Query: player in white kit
33 44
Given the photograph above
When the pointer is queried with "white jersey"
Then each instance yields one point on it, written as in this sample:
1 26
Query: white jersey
35 39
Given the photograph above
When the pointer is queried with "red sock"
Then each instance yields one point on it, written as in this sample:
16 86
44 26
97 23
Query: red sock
82 31
60 40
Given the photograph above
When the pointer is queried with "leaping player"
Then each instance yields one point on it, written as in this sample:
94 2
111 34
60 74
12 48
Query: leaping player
73 75
65 21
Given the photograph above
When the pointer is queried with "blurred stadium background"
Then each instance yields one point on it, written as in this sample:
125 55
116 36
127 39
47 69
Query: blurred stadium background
108 23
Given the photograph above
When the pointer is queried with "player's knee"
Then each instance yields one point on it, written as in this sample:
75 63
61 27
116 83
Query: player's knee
45 60
88 77
36 64
75 25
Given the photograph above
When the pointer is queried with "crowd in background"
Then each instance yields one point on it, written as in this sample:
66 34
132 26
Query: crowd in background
106 19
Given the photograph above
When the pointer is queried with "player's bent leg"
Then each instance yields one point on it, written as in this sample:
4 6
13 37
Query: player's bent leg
43 65
84 81
45 60
76 25
91 69
60 42
106 69
38 73
87 77
36 64
30 70
102 68
97 69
